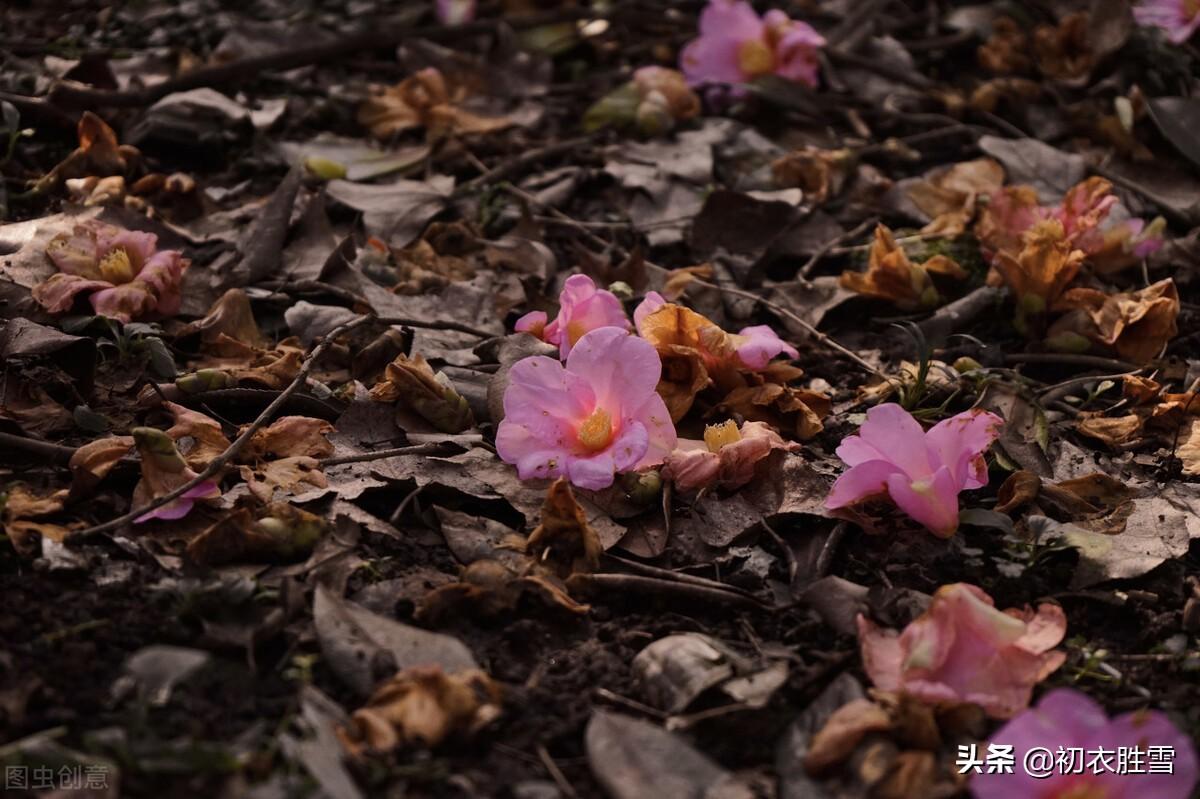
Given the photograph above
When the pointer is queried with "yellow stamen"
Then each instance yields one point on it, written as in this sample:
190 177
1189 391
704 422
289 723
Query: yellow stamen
596 432
718 435
755 58
116 266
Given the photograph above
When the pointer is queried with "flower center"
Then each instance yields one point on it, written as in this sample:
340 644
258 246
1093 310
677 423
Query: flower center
596 432
575 330
755 58
718 435
116 266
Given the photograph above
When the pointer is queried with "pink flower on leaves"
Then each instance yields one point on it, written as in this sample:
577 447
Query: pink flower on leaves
125 273
582 308
1177 18
736 46
754 346
597 415
455 12
964 650
922 472
1069 719
726 457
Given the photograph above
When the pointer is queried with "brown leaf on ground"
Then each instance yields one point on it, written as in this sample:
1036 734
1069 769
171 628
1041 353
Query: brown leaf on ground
1136 324
413 383
1039 275
564 541
251 366
424 100
280 532
891 276
19 507
843 732
1155 415
796 412
819 173
490 590
292 436
98 155
422 706
199 435
94 460
1063 52
290 475
949 196
231 318
1006 52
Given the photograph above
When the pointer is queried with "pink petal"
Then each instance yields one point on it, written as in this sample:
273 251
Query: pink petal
713 57
622 370
1151 728
690 469
138 245
660 430
891 434
178 508
932 502
959 441
533 322
57 293
533 458
583 308
163 273
547 401
882 656
629 446
861 482
761 344
455 12
797 53
593 472
76 253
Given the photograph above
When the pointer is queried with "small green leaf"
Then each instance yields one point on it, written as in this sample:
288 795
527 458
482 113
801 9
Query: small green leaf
162 362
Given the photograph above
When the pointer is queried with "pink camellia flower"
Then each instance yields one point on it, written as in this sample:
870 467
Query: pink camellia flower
581 308
127 275
1177 18
1067 719
922 472
964 650
597 415
753 347
455 12
726 457
736 46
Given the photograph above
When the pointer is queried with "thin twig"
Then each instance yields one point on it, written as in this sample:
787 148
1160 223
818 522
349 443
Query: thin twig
837 241
555 772
239 443
436 324
515 165
49 451
378 455
779 309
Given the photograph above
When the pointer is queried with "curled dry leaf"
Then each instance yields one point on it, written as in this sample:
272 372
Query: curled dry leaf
843 732
292 436
564 541
1136 325
1039 275
200 437
99 154
1006 52
424 100
1063 51
413 383
94 460
231 318
163 471
20 506
489 589
891 276
819 173
422 706
276 532
949 196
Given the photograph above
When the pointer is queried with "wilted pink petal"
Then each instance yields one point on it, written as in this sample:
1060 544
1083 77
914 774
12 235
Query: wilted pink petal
455 12
178 508
598 415
736 46
964 650
582 308
922 472
1177 18
726 458
129 276
1066 719
758 344
125 302
57 293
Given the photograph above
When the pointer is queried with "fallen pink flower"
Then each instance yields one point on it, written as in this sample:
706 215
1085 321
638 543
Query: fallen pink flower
726 457
923 472
455 12
736 46
1177 18
1067 719
125 273
964 650
163 471
582 308
596 416
753 347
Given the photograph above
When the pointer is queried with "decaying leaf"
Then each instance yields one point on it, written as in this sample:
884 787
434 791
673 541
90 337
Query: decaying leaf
413 383
819 173
277 532
1039 275
98 155
19 507
94 460
949 196
564 541
1137 325
489 589
424 100
891 276
422 706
